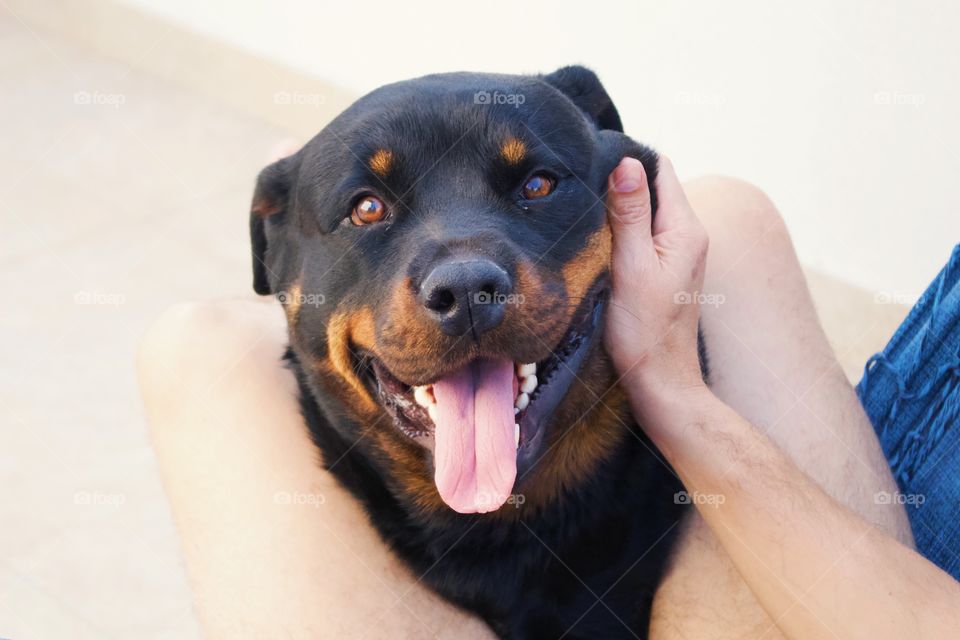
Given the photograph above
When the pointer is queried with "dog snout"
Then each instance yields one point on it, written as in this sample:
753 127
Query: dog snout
466 295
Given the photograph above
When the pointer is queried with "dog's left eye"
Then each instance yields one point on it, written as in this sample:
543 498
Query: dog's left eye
538 186
368 210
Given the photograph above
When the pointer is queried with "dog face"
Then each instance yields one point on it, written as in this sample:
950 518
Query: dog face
441 252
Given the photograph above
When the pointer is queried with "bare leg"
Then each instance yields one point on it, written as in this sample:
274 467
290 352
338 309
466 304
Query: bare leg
274 547
771 362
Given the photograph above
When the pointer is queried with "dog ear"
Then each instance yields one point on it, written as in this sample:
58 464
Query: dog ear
271 200
583 87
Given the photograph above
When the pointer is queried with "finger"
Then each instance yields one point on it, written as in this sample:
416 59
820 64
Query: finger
629 214
674 210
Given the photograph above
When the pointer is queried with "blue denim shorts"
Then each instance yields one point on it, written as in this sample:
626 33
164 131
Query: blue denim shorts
911 391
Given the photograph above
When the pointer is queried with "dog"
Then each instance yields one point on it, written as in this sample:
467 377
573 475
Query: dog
441 252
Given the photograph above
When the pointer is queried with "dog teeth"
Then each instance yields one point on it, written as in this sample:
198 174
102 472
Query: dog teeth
522 401
528 384
432 412
516 434
524 370
424 396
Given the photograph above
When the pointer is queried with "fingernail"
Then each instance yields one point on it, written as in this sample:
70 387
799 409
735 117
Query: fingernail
626 177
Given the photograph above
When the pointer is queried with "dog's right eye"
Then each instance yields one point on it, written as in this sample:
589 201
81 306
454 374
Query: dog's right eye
368 210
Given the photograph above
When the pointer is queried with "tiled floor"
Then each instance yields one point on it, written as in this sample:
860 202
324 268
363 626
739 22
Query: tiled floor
112 212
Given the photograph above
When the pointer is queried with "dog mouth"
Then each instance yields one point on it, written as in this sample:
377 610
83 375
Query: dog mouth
485 422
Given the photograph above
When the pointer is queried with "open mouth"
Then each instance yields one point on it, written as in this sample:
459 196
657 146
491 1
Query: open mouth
485 422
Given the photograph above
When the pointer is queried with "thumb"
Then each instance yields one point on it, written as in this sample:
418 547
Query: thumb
628 200
629 214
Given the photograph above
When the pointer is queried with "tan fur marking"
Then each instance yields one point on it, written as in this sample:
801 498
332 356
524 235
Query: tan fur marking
513 150
265 208
591 439
410 466
381 162
344 330
292 299
581 272
575 453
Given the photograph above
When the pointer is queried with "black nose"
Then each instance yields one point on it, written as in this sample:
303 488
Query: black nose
466 295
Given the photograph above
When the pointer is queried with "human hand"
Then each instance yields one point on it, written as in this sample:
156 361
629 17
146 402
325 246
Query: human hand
657 267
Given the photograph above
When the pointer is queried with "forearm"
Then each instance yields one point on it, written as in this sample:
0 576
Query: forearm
816 567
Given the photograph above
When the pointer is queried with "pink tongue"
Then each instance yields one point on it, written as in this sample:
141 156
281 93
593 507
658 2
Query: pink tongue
475 456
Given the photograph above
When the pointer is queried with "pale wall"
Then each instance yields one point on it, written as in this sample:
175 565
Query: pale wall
846 115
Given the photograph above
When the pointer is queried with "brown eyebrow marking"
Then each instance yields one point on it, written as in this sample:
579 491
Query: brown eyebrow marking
381 162
513 150
266 208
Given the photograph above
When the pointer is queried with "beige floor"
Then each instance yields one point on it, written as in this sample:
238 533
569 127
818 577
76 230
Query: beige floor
110 214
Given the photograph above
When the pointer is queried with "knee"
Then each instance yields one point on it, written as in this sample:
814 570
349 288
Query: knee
175 335
192 341
168 351
738 215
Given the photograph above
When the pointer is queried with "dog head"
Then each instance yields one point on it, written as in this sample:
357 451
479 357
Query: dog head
441 250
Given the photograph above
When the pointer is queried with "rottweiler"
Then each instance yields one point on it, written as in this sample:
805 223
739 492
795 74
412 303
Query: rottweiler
441 251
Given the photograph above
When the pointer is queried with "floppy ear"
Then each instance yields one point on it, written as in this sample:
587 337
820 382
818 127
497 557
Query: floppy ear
583 87
271 200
